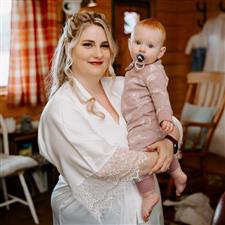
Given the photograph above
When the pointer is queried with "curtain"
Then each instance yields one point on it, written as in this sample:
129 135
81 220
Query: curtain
33 39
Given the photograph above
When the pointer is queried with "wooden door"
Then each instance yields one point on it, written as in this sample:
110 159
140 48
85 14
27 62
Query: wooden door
141 7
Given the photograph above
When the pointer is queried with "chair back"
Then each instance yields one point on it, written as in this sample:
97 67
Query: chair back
4 135
206 90
209 90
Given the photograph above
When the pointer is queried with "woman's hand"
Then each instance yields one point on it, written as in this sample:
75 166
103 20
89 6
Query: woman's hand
165 155
165 152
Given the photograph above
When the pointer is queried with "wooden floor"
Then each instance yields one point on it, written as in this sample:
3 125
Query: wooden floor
20 215
213 191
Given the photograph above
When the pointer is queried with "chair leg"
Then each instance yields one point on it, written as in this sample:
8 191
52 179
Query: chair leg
28 198
170 187
5 193
202 173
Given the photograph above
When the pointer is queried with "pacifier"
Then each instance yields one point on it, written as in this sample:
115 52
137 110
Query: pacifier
139 62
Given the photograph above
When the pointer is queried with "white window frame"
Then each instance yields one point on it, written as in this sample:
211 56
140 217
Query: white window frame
5 24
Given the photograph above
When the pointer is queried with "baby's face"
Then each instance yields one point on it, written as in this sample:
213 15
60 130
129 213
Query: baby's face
148 42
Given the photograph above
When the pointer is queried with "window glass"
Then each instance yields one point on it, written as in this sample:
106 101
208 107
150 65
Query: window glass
130 20
5 19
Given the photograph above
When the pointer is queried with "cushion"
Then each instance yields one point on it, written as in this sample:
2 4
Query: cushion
195 113
11 163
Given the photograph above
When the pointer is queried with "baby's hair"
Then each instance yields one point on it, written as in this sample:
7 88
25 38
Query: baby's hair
154 24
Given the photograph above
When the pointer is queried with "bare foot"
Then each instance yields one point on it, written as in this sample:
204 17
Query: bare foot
148 202
180 180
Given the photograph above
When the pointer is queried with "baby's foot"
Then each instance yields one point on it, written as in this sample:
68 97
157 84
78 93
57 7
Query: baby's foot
148 202
180 180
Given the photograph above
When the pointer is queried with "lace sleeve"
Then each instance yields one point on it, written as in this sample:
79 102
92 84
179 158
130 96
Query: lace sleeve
124 165
97 192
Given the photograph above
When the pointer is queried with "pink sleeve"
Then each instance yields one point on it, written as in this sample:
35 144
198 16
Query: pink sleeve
157 85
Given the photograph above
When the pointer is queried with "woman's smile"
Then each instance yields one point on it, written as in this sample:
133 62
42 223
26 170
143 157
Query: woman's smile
96 63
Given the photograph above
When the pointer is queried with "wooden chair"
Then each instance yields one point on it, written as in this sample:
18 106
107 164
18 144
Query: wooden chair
14 165
206 91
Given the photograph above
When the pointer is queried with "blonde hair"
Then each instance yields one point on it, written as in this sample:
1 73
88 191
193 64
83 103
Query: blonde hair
62 59
153 24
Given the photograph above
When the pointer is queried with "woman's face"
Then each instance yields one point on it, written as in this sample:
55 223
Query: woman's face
91 55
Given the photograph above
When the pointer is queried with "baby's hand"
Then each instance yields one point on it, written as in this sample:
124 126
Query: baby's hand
167 126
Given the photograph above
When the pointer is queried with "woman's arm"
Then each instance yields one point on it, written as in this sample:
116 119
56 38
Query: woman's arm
165 148
151 159
127 165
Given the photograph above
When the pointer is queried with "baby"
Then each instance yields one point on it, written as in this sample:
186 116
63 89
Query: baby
145 103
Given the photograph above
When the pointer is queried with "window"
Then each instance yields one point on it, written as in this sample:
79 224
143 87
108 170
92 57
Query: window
5 19
130 20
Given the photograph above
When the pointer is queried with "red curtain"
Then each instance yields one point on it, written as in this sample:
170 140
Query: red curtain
33 39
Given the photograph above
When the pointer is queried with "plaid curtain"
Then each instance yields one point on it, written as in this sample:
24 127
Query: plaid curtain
33 39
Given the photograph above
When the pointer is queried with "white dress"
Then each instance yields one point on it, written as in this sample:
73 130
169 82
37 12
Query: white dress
96 185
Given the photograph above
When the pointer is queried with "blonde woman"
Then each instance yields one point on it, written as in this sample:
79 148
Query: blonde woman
83 134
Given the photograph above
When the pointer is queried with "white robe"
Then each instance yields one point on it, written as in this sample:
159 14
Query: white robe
80 145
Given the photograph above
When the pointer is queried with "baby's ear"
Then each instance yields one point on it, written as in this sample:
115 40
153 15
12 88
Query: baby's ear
162 52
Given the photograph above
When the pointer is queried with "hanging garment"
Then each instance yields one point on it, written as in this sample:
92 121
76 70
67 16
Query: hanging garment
196 46
212 37
214 31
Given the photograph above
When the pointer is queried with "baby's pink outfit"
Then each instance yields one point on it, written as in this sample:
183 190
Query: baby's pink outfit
145 104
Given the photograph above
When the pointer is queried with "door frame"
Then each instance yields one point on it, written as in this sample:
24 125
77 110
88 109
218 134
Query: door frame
144 3
144 6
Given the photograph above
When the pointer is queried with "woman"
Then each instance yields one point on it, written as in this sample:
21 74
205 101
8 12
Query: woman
83 134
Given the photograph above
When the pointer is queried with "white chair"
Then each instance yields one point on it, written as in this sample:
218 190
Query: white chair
14 165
